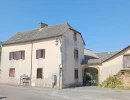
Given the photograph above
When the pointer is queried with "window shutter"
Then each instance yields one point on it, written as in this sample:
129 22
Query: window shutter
77 54
12 72
16 54
44 53
37 54
23 55
9 55
74 53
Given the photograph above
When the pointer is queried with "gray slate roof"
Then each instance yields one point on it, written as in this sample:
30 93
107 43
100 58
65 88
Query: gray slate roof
89 54
102 57
46 32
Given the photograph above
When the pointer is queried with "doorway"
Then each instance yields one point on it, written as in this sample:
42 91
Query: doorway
90 77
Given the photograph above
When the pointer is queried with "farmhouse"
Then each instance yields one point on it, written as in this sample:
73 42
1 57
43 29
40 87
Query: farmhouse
47 55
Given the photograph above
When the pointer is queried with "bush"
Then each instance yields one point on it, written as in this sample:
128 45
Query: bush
112 82
88 76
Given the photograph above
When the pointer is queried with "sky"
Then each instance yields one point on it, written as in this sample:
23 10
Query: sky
104 24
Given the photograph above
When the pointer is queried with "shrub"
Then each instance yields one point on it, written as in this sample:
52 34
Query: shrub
111 82
88 76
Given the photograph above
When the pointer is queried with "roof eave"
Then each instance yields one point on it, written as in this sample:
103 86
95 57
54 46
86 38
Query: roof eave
116 54
29 40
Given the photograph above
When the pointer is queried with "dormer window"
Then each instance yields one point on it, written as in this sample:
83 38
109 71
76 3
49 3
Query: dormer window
75 36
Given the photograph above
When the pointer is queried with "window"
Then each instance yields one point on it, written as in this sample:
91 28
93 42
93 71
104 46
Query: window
21 55
17 55
39 73
126 61
11 55
75 53
40 53
75 36
76 73
12 72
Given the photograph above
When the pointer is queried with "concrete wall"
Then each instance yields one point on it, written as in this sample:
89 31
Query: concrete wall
69 63
50 64
113 66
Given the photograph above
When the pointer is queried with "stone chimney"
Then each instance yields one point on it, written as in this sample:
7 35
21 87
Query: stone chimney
42 25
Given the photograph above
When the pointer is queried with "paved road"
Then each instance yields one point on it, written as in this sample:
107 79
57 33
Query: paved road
81 93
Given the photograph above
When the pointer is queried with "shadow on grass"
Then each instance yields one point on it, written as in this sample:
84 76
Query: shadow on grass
3 97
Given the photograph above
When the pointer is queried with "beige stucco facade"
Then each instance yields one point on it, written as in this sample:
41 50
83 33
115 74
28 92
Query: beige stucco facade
61 55
111 66
69 62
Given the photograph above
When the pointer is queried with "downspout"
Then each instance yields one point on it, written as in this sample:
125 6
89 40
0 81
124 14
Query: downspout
62 54
31 63
59 74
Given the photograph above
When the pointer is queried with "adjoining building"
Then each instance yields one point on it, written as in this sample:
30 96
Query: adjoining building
107 64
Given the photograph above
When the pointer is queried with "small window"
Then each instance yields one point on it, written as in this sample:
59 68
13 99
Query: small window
11 55
21 55
17 55
39 73
12 72
126 61
40 53
75 36
75 53
76 73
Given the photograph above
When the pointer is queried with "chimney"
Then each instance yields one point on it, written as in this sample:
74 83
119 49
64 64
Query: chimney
42 25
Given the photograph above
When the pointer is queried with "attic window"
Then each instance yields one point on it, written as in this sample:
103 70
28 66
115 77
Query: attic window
75 36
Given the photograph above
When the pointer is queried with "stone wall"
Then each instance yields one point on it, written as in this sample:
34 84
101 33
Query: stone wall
124 76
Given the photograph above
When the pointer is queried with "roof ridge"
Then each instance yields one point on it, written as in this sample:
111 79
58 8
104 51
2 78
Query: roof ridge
87 49
58 24
45 27
27 31
107 52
